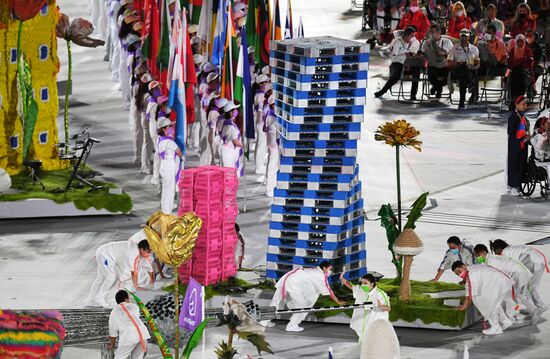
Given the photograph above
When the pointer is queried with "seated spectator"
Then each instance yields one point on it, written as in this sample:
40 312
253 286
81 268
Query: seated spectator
492 54
402 48
532 42
522 21
490 19
396 10
459 20
436 49
463 60
473 8
520 61
416 18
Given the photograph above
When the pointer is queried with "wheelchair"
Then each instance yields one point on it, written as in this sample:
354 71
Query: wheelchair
534 175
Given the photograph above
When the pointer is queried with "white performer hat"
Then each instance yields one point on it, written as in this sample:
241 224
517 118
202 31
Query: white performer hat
163 122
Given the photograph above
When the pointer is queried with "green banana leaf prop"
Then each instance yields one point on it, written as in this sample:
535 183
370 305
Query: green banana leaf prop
28 108
164 350
195 339
388 220
416 210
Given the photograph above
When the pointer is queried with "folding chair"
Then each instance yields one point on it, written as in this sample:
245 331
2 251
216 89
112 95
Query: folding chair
406 76
494 94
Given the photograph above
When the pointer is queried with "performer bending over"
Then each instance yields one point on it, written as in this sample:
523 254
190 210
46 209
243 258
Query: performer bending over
125 324
300 288
488 288
367 291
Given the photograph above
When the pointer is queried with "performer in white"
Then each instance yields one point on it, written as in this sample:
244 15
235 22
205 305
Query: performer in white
532 258
126 325
212 86
270 128
170 158
215 119
261 138
231 145
195 127
515 270
367 291
161 111
488 288
114 53
120 262
300 288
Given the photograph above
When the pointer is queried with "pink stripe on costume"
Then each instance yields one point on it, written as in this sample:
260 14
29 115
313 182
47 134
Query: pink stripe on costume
141 341
329 289
545 262
284 282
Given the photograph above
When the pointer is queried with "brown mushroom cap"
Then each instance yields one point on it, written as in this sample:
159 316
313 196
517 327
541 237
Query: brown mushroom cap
408 244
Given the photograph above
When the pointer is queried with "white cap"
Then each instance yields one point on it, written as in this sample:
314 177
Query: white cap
265 70
213 95
197 59
163 122
192 29
221 102
230 106
262 78
251 49
146 77
211 77
153 84
209 67
195 40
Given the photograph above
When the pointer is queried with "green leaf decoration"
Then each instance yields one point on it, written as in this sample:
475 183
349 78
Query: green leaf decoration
195 339
31 116
388 220
225 351
416 210
258 340
164 350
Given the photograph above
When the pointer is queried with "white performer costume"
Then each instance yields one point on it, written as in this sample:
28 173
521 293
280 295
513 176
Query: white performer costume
202 123
521 277
124 74
154 139
362 318
215 125
114 57
535 261
126 325
231 154
134 121
169 169
260 151
270 128
300 288
115 262
488 288
103 20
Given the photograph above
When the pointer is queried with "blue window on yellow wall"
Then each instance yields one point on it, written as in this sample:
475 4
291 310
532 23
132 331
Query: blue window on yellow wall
13 55
44 94
43 52
14 142
43 137
44 10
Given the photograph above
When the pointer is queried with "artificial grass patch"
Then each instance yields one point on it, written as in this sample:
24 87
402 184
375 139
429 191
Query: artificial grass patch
54 181
421 306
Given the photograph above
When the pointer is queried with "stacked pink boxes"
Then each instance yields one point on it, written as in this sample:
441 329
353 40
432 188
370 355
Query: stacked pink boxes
211 192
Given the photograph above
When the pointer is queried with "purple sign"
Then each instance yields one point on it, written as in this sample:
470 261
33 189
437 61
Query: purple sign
191 311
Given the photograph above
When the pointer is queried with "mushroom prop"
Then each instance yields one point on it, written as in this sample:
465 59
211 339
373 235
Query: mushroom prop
407 245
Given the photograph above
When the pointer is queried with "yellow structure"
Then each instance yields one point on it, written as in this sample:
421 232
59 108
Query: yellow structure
39 44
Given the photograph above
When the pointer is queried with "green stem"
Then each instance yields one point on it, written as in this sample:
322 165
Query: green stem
398 187
22 87
176 319
67 89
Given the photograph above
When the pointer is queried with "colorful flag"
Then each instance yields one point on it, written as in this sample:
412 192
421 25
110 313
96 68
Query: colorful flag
151 36
289 32
183 73
230 59
219 33
165 29
300 32
243 90
250 25
196 8
204 31
191 315
277 32
261 43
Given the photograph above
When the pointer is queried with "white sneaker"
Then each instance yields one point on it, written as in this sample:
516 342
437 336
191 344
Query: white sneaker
515 192
267 323
492 331
507 323
293 328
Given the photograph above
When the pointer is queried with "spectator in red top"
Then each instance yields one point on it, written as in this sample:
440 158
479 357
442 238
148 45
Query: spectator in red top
415 18
459 20
520 61
522 21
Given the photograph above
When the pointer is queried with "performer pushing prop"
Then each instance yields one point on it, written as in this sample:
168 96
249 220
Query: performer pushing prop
300 288
488 288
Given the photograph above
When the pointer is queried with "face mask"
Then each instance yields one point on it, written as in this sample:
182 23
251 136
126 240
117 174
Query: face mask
488 37
170 131
414 8
480 260
463 275
328 273
455 251
365 287
459 13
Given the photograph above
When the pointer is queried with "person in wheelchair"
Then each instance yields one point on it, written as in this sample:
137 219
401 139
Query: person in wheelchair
463 61
402 48
435 50
414 17
492 54
395 8
541 145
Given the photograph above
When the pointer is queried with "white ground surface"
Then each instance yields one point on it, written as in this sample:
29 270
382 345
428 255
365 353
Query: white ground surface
48 262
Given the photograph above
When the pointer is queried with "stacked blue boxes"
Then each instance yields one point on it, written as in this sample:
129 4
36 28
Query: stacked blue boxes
317 213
